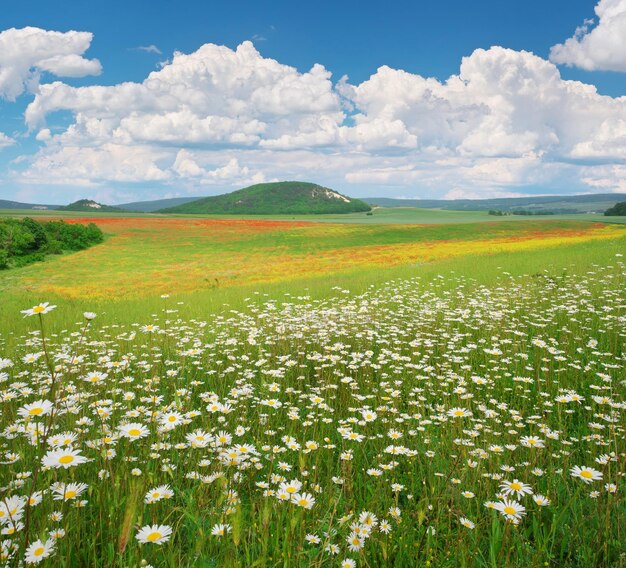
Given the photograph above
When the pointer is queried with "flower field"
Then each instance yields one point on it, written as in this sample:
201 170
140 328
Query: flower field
145 257
416 423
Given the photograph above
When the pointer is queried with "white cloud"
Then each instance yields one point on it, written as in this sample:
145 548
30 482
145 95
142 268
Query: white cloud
5 141
602 47
149 49
222 118
27 52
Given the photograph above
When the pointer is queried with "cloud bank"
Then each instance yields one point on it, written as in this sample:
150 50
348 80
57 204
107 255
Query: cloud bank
602 47
28 52
222 118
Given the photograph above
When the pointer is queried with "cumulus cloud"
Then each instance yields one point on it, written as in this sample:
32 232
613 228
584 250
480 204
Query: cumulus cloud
27 52
221 117
602 47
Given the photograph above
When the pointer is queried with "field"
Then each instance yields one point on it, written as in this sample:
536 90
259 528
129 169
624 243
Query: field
279 392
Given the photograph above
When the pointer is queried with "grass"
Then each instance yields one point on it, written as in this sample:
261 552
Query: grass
402 406
382 215
143 256
396 398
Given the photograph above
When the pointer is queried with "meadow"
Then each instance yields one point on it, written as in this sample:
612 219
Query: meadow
210 392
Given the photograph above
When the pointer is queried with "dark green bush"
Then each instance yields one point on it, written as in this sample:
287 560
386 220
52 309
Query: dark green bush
27 240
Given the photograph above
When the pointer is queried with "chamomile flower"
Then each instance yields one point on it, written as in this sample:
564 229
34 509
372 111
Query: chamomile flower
587 474
154 534
64 457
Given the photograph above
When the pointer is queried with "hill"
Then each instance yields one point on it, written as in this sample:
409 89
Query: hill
6 204
279 198
88 205
559 204
152 206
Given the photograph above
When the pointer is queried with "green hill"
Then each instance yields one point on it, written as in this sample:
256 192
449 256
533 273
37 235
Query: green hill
557 204
88 205
280 198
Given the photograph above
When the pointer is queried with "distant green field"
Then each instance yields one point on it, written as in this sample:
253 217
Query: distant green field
396 215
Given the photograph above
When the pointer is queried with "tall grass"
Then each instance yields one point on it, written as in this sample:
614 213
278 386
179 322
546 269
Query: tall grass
381 419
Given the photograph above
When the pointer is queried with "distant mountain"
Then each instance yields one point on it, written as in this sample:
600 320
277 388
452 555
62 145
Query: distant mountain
5 204
285 197
151 206
563 204
88 205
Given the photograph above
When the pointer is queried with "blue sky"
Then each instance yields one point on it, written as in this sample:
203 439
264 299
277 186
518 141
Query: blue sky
506 130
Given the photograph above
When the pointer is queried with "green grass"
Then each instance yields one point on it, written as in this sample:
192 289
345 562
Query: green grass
396 215
502 337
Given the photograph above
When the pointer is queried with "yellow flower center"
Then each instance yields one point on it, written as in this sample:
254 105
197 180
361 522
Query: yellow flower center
509 510
35 411
134 432
172 419
458 413
66 459
516 486
153 536
39 551
38 310
586 474
70 494
291 489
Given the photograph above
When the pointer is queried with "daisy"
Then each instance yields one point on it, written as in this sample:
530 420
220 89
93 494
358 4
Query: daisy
158 493
305 500
38 550
458 413
587 474
37 408
66 457
511 509
155 534
348 563
220 530
133 430
515 486
69 491
467 523
541 500
355 542
38 311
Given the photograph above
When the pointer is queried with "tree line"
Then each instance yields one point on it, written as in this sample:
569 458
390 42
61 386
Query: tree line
23 241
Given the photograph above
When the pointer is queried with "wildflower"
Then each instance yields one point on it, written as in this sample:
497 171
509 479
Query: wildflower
348 563
37 408
38 310
155 534
38 551
304 500
587 474
355 542
220 530
133 430
511 509
68 491
459 412
158 493
467 523
515 486
89 315
541 500
64 458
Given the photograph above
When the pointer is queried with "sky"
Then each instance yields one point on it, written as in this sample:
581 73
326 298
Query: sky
128 101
